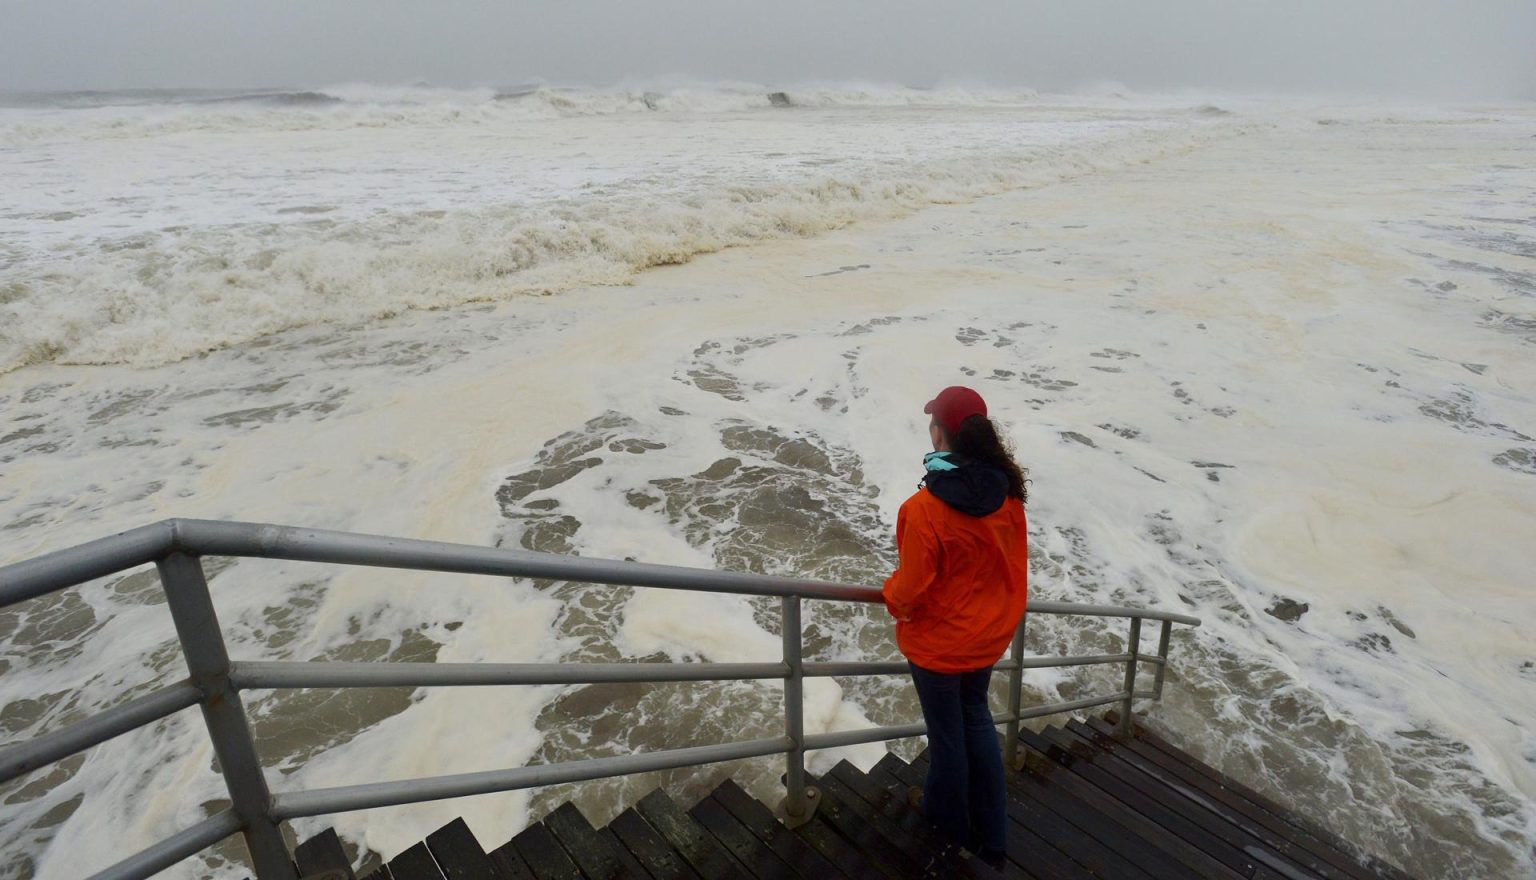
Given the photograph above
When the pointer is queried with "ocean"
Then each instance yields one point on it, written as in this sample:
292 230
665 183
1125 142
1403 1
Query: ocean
1267 360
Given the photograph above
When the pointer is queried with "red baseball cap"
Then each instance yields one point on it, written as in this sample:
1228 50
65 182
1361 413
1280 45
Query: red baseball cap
954 405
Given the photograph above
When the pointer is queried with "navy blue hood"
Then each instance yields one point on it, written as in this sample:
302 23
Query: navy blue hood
971 487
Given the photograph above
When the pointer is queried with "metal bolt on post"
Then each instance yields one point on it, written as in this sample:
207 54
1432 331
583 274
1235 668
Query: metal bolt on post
202 643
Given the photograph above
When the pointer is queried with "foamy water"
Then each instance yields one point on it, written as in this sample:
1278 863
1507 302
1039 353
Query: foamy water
1272 367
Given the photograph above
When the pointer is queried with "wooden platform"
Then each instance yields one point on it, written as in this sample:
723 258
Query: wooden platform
1083 805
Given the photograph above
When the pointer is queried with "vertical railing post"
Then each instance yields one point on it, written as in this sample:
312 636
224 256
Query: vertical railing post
202 643
1015 694
799 801
1132 647
1162 667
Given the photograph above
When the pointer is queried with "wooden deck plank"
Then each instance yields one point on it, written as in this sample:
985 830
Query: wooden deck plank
1085 804
631 864
1256 840
925 861
1156 809
1026 847
321 853
591 852
1106 828
910 820
1026 807
1152 781
546 858
1137 857
759 860
1381 868
1191 861
707 855
649 848
509 864
1321 858
415 863
885 794
799 854
1124 769
458 853
841 837
1337 854
1152 737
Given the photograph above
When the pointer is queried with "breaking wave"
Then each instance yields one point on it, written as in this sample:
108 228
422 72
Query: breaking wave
162 296
148 113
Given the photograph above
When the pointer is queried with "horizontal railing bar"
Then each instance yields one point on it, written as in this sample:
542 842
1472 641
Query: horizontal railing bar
173 849
34 577
268 675
903 731
213 538
1047 662
1043 607
23 758
841 738
1072 706
823 670
292 805
63 568
1151 658
826 670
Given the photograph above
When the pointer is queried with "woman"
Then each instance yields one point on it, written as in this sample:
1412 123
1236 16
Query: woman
957 597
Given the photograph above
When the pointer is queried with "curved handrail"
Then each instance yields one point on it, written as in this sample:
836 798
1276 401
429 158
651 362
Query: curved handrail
200 537
176 545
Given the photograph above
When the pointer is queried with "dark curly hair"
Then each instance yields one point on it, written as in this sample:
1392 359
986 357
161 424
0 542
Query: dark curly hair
978 440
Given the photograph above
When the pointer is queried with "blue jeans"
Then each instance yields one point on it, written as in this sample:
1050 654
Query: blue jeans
964 794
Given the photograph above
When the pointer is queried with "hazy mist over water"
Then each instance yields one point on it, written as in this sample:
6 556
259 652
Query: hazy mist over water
1430 48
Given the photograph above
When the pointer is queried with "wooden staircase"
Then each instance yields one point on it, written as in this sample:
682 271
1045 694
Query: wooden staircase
1084 804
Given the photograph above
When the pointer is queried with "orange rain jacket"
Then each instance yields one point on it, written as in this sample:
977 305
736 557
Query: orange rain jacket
962 584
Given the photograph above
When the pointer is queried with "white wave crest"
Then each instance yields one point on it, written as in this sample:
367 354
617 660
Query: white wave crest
161 297
360 105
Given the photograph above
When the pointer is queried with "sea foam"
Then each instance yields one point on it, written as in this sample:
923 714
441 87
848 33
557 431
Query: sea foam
76 290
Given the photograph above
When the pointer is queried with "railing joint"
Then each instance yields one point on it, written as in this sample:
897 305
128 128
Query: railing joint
178 543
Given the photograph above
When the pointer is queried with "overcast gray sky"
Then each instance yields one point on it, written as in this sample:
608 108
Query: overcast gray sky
1439 48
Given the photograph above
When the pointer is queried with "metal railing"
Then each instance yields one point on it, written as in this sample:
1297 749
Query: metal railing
215 682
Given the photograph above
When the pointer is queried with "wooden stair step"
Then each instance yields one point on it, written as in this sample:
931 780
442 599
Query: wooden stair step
649 848
545 857
322 853
1085 803
458 853
800 855
850 843
594 854
1274 834
1375 866
1040 856
702 851
1155 809
754 854
416 863
1025 808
